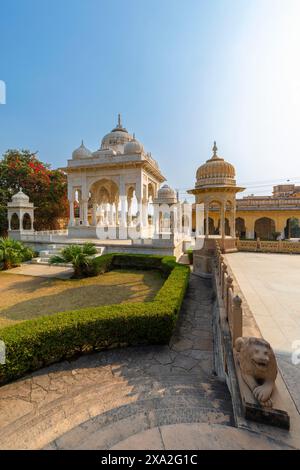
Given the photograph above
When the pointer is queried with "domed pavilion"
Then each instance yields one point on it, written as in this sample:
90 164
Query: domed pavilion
112 187
215 193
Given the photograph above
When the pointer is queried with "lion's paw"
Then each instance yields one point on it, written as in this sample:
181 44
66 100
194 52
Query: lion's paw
267 404
262 394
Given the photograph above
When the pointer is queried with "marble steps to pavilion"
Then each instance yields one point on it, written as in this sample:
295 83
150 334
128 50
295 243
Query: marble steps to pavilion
55 250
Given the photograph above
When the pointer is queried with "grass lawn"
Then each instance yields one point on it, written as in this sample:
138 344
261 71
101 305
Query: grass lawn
24 297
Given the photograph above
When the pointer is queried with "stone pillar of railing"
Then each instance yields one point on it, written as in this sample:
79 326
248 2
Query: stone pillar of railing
221 260
223 279
217 256
228 296
236 319
258 244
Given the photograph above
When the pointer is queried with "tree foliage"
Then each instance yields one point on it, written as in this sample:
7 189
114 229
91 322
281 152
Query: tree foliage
46 188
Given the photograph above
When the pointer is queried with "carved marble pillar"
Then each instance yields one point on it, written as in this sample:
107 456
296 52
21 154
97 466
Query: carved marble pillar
129 213
85 213
156 219
116 204
174 220
101 218
145 201
80 210
111 214
200 213
232 226
139 199
123 212
94 214
206 213
72 218
144 212
123 203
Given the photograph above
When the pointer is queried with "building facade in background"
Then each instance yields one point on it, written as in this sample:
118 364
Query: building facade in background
265 217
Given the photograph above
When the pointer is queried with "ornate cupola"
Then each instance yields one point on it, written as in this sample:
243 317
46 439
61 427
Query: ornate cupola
133 147
215 194
215 172
81 152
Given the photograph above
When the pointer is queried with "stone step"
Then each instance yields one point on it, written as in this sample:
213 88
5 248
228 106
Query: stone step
45 262
113 399
49 252
54 250
143 387
102 432
61 246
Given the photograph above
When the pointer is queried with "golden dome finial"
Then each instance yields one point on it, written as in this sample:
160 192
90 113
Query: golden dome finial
215 149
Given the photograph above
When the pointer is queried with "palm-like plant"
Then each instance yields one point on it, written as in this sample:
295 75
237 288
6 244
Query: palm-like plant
78 256
13 252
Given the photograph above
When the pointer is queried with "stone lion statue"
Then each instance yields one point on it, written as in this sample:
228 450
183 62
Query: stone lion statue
258 367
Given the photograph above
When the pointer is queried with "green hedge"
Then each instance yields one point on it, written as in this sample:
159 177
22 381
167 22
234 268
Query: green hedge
110 261
36 343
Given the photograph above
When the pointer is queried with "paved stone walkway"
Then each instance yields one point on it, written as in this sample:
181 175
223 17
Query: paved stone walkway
42 270
198 436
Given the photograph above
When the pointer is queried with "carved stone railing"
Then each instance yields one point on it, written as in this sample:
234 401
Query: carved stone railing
268 202
280 246
232 304
228 327
43 235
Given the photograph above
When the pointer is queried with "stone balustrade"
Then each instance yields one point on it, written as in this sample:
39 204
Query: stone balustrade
228 332
268 202
280 246
43 235
232 303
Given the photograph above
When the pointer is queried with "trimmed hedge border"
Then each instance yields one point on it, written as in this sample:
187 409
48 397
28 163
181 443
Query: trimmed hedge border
37 343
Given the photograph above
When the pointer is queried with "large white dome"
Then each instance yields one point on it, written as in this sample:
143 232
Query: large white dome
117 138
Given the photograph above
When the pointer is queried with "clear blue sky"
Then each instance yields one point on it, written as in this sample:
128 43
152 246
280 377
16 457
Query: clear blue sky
181 72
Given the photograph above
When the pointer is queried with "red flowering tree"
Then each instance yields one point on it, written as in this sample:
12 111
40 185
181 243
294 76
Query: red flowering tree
46 188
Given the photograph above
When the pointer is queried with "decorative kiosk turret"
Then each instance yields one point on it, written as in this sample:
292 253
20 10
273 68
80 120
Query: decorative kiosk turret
20 214
215 193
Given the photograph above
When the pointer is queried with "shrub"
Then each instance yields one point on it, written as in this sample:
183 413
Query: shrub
13 252
79 257
37 343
